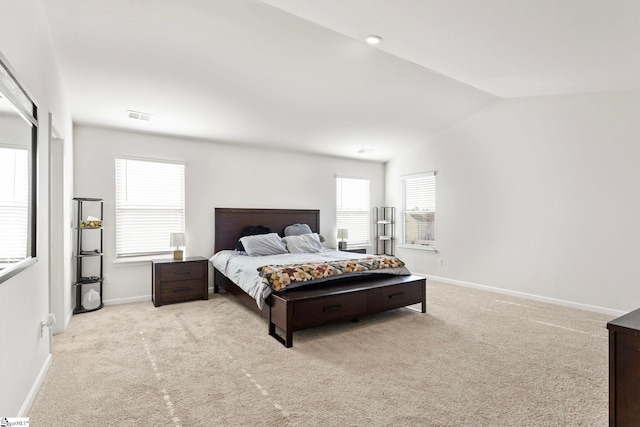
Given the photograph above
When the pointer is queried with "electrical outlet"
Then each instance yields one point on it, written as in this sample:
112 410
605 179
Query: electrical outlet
440 262
49 322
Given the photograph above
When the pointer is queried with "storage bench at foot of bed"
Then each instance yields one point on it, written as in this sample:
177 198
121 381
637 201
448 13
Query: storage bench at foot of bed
306 308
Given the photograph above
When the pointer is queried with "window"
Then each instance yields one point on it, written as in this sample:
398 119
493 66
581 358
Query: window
419 209
14 204
353 209
149 206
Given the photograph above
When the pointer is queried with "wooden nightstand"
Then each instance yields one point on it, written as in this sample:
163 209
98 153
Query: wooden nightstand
178 281
355 251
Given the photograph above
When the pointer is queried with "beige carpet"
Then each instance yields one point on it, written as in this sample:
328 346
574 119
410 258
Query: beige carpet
474 359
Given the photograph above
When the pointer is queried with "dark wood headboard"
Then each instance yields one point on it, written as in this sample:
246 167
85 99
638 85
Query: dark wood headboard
230 222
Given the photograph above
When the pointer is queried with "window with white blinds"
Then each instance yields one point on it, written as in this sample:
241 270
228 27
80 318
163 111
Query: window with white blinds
149 206
419 210
353 209
14 204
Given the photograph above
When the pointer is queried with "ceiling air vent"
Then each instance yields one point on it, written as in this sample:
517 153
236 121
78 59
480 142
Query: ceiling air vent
138 115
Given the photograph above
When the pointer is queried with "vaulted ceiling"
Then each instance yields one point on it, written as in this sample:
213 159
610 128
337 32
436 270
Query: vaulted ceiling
298 75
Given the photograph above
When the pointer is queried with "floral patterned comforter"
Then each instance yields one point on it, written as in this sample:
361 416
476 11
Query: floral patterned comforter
278 277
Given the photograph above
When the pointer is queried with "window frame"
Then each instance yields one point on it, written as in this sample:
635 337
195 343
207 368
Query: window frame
157 253
366 211
431 247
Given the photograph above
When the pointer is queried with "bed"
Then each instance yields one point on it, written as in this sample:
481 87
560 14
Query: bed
312 305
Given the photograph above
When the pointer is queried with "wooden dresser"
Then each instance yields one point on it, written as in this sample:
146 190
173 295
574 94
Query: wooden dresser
178 281
624 370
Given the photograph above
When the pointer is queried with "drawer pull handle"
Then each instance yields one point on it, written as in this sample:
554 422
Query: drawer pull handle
183 272
332 308
182 288
396 295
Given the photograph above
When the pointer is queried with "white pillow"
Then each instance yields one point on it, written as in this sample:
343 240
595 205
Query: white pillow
304 243
263 244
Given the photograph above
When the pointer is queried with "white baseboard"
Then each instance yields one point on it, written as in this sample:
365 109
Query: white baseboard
128 300
67 320
117 301
33 392
580 306
525 295
62 327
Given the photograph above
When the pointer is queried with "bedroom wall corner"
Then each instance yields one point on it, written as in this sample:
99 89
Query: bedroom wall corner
536 196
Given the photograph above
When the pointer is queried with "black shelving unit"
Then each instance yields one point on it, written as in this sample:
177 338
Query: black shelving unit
94 279
385 219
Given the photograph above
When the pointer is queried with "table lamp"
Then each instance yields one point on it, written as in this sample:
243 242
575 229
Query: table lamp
177 241
343 235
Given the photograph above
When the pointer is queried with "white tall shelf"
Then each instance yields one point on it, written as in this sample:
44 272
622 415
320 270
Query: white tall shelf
385 221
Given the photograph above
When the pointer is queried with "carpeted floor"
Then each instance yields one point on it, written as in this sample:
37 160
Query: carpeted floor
474 359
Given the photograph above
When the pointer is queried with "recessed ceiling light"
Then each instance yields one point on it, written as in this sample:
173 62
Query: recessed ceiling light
138 115
373 39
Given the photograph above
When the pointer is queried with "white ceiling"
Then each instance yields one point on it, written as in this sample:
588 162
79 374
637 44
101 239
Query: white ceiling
297 75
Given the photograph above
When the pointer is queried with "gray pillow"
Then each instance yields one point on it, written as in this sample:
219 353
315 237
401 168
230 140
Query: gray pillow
298 230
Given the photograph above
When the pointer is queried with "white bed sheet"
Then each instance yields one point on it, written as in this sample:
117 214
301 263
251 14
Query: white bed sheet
243 270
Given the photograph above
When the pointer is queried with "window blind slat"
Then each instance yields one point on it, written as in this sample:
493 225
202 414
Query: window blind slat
149 206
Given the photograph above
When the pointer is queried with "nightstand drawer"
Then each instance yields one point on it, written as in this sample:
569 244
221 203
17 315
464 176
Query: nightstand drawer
181 290
390 297
355 251
307 313
181 271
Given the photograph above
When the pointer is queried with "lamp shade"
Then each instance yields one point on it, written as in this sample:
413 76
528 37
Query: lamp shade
343 233
176 239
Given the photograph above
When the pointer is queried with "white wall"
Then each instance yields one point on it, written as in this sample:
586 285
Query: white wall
537 196
24 299
217 175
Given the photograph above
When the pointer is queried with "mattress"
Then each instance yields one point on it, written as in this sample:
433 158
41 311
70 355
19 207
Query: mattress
243 270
